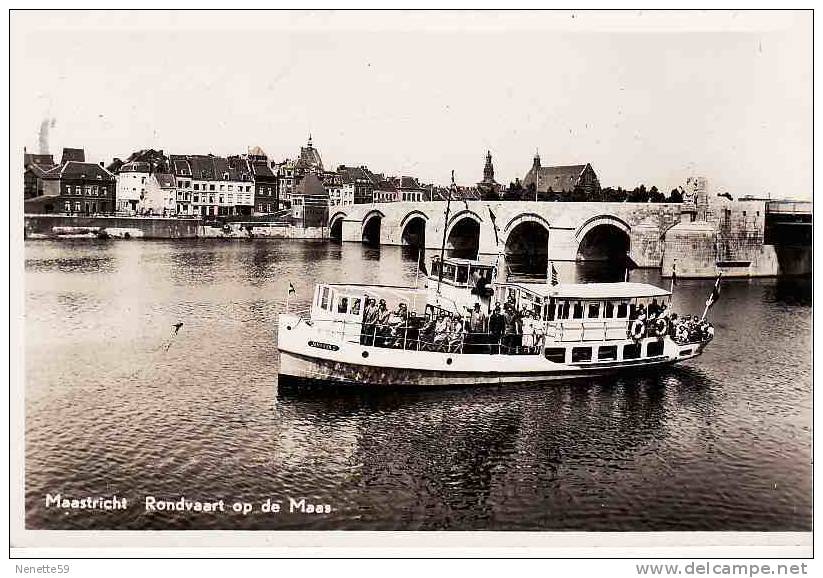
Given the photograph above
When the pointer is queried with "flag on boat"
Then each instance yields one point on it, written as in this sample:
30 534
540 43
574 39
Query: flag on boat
291 289
494 226
555 278
715 293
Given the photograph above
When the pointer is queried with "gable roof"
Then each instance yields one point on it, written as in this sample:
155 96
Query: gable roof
558 178
78 170
311 186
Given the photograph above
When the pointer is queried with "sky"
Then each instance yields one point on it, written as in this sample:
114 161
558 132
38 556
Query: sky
644 97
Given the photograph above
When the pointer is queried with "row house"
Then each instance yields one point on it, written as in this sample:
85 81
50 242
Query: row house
266 185
131 185
386 192
211 186
339 194
73 187
409 189
34 167
358 183
160 196
310 203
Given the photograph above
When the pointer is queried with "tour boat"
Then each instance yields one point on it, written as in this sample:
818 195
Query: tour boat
551 331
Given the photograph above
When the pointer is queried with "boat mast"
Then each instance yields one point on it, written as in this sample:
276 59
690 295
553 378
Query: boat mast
445 227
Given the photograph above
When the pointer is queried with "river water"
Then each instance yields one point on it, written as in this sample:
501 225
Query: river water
116 405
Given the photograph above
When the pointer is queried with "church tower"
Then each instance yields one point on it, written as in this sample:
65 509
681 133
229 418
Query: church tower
488 170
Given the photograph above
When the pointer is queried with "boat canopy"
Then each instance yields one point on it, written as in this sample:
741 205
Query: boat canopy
392 294
596 290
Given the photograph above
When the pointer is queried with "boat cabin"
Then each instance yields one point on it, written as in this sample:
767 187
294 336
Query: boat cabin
586 311
456 284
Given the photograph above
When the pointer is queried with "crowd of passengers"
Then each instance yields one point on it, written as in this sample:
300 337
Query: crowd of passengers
685 329
505 330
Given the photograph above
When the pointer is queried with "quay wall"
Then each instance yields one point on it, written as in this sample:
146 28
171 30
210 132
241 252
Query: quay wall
160 228
149 227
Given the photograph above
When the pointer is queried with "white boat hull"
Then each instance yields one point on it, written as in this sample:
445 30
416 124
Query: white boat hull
309 355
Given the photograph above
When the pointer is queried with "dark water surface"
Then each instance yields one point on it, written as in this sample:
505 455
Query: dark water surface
719 443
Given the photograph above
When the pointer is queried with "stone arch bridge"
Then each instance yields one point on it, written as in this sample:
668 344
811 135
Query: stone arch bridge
539 230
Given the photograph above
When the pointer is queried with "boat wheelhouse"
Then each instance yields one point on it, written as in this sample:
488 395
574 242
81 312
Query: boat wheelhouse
464 328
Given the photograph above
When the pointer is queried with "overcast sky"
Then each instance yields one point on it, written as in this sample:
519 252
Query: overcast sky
644 97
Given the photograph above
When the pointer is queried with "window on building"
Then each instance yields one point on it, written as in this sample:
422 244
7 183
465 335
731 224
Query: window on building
343 305
67 206
196 187
211 187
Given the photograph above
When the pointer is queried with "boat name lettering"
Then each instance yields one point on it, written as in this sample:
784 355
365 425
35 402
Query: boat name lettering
320 345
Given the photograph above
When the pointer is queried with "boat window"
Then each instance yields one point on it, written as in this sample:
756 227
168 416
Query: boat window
343 305
556 354
594 310
633 311
462 274
581 354
578 310
631 351
605 352
609 311
324 302
435 267
622 310
549 316
355 306
448 271
654 348
564 310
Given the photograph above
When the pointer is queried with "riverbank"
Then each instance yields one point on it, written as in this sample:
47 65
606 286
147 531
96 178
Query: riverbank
68 226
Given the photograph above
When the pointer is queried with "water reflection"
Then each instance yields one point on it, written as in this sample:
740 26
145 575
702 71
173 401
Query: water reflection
721 443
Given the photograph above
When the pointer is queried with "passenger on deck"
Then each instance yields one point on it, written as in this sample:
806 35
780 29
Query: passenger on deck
511 339
528 324
398 323
369 322
427 333
441 332
654 309
383 329
497 325
477 327
456 334
641 312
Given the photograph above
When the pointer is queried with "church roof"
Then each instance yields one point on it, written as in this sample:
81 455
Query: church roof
309 158
559 178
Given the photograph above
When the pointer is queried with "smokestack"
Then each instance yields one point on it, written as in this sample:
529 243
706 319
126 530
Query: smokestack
43 134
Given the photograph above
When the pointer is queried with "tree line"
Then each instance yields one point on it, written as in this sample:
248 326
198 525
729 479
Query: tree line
640 194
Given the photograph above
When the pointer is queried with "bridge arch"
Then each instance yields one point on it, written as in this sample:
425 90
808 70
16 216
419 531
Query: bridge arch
463 234
372 222
526 245
413 229
603 238
336 226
